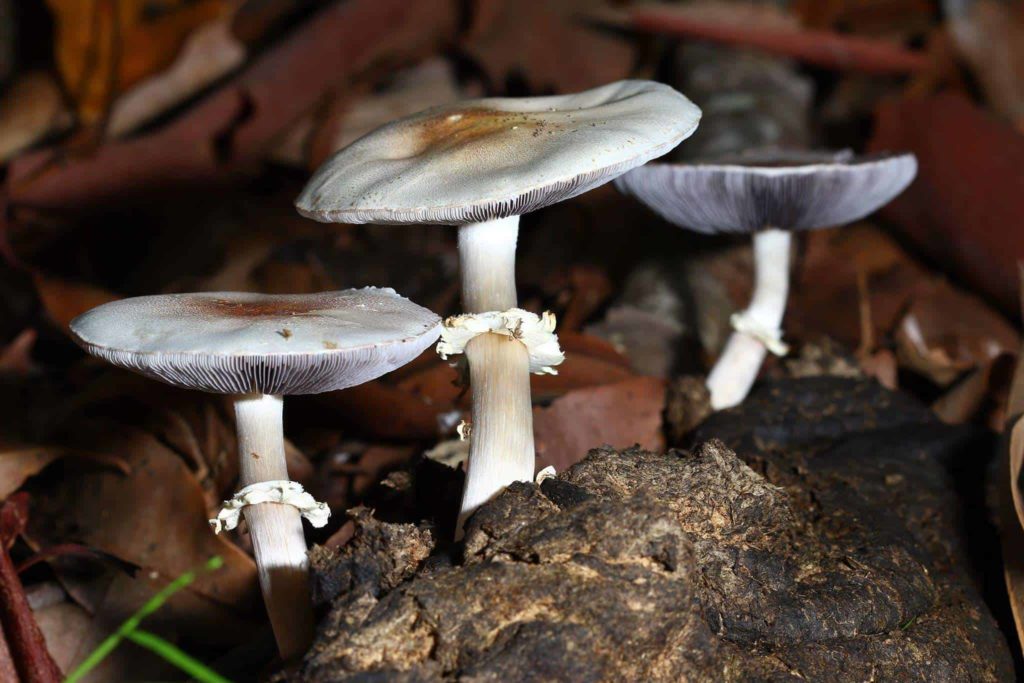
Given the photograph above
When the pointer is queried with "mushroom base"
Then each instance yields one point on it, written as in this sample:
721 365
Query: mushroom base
501 440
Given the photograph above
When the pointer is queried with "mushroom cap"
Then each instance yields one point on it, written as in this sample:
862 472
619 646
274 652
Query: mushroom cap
240 343
491 158
787 191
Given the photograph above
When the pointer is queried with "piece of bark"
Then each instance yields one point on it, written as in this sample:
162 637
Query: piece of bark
687 404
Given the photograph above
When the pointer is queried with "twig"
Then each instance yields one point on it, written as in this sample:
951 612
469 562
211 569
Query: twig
826 49
28 647
8 672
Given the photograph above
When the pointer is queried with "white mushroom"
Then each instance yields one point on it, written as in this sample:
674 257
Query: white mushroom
480 165
258 348
769 196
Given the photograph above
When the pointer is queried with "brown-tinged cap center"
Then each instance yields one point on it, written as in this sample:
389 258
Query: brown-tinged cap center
453 129
225 308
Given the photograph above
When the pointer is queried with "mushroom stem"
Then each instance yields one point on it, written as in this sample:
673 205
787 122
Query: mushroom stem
276 530
730 380
501 439
487 256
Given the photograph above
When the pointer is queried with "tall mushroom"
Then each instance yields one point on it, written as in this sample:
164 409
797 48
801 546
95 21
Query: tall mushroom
258 348
769 195
479 165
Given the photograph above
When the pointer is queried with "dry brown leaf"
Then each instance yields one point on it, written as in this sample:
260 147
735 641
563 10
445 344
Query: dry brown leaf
825 296
961 208
1012 524
946 332
103 47
620 415
64 299
18 463
67 628
881 365
209 53
983 388
990 36
155 517
546 45
30 109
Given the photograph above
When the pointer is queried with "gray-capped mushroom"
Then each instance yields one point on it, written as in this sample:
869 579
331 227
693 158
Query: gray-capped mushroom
768 195
259 348
479 165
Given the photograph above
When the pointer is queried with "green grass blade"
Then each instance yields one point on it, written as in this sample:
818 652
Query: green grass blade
175 656
130 624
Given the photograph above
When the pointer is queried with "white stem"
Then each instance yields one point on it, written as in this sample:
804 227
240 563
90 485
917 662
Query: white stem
738 365
501 440
275 529
487 257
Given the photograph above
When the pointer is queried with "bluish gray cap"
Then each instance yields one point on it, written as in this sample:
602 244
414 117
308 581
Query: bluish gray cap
240 343
782 190
484 159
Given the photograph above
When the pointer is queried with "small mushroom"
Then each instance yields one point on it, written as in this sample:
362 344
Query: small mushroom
479 165
769 195
234 343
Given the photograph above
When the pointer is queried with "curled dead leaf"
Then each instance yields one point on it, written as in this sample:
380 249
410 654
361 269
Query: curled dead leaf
620 414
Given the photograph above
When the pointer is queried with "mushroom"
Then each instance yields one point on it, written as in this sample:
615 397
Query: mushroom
257 349
769 195
479 165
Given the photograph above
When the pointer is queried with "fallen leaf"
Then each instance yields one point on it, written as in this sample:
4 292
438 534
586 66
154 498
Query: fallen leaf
882 365
546 46
962 225
620 414
984 387
946 332
837 268
18 463
1012 520
102 48
990 36
209 53
155 518
68 630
